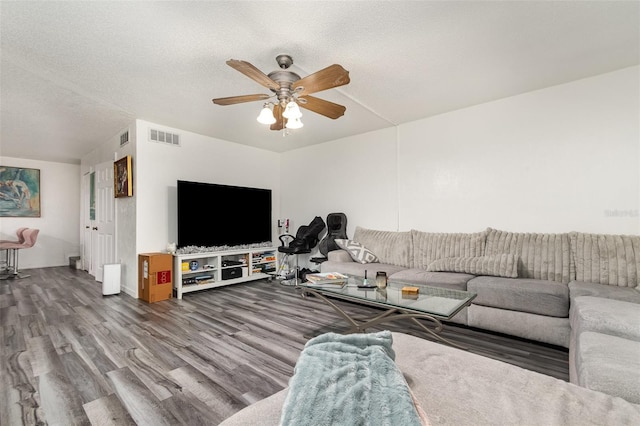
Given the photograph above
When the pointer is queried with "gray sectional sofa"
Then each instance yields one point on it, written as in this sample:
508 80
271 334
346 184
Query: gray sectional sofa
575 290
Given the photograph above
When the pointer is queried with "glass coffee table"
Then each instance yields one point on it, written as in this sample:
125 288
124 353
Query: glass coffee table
432 304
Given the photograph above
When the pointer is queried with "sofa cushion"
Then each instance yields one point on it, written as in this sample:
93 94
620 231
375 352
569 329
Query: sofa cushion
541 328
521 294
390 246
541 256
606 316
501 265
264 412
357 251
456 387
431 246
581 288
451 280
609 364
339 256
606 259
355 268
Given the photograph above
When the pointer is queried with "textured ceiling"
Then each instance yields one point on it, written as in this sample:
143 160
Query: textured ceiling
75 73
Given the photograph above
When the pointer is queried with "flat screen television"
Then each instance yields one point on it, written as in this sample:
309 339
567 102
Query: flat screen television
222 215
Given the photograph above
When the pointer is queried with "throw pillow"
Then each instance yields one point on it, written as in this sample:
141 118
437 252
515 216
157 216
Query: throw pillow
357 251
501 265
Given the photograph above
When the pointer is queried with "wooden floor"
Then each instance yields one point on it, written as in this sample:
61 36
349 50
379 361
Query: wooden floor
72 356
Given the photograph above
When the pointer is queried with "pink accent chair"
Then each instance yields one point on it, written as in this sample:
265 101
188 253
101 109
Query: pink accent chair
20 240
28 237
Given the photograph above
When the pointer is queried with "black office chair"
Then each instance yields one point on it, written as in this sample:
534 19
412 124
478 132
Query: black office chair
336 229
306 238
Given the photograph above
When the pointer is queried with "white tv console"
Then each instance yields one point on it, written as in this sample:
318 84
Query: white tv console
255 264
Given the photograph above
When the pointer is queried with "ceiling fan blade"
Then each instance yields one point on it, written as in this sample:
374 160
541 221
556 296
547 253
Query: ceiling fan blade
280 120
322 107
327 78
231 100
252 72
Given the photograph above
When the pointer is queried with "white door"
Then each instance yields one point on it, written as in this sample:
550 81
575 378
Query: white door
88 216
103 231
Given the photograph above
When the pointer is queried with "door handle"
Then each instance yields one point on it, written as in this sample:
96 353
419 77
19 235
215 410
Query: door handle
95 228
87 227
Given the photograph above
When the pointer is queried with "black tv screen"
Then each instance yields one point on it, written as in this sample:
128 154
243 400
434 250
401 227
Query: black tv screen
222 215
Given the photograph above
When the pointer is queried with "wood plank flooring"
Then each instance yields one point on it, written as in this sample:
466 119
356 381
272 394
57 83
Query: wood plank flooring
70 356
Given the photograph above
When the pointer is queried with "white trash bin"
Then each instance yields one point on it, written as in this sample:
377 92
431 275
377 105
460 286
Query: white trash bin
111 279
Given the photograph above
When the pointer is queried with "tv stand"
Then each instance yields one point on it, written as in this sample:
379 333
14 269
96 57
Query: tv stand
201 271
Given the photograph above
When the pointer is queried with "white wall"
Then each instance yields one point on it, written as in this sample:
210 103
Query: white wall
558 159
125 232
147 221
356 174
126 212
159 166
555 160
59 235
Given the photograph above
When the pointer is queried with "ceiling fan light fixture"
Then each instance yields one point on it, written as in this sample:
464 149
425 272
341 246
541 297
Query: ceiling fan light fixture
292 111
266 115
291 92
294 123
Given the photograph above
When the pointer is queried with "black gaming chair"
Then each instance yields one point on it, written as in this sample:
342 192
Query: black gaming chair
336 229
306 238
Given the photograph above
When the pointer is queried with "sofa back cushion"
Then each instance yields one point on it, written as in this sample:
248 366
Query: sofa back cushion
431 246
606 259
501 265
541 256
391 247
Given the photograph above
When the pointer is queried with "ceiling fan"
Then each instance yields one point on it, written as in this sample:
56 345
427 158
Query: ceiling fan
290 91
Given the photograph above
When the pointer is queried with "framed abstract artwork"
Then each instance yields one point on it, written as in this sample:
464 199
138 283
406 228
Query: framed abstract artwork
122 178
19 192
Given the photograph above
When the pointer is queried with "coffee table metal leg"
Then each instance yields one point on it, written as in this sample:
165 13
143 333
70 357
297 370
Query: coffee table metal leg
389 315
343 314
435 331
413 317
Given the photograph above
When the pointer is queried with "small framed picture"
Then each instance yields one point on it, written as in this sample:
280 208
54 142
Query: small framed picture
122 177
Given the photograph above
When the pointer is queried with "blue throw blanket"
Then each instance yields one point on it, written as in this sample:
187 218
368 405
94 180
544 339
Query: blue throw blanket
348 380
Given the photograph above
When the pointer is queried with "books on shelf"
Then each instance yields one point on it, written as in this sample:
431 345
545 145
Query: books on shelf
326 279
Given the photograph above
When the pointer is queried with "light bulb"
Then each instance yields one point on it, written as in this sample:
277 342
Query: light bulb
294 123
292 111
266 115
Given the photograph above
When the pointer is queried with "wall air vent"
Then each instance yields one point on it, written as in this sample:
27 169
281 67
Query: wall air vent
124 138
164 137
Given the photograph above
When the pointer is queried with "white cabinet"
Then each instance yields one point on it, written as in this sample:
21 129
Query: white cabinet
200 271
